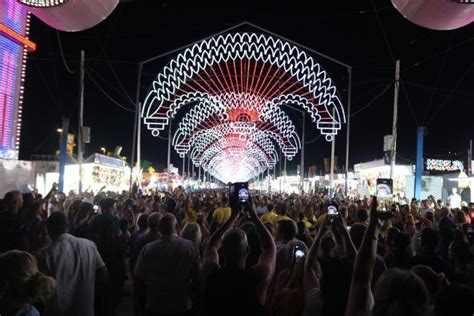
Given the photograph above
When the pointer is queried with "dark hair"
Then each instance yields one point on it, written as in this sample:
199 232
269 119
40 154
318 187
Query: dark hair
429 277
287 229
454 299
362 214
270 207
400 243
460 250
357 234
142 221
429 240
400 293
57 224
106 204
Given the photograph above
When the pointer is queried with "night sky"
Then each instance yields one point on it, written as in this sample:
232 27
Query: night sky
436 90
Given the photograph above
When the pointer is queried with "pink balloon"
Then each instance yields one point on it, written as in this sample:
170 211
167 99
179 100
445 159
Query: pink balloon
76 15
436 14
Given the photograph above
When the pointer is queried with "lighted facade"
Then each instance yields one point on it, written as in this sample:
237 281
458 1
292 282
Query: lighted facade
14 44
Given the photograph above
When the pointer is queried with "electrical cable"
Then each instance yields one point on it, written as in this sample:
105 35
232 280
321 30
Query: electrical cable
115 74
460 81
373 100
107 95
62 54
393 59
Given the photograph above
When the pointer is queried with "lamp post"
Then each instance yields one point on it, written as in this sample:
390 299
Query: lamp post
302 145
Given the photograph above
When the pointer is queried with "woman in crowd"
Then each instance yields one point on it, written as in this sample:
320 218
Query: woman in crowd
22 285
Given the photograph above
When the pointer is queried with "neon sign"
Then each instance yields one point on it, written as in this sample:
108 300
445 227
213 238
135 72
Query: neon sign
14 44
444 165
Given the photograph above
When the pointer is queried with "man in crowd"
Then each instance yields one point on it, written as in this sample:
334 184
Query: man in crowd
229 288
167 270
108 207
13 234
76 266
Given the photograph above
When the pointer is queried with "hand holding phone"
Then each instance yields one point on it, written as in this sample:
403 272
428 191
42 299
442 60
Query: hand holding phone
298 253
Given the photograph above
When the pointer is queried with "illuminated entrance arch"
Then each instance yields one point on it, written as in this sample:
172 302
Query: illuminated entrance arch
232 88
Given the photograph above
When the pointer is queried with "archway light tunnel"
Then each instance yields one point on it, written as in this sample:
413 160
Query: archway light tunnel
232 89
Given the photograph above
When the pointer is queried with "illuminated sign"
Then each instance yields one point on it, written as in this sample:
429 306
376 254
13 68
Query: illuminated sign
444 165
14 43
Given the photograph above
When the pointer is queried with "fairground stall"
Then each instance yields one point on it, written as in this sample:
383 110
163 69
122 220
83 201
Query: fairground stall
367 174
98 172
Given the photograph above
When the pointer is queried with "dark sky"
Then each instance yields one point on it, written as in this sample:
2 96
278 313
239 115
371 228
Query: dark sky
437 73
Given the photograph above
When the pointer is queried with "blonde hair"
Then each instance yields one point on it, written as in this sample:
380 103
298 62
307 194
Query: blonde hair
192 232
20 281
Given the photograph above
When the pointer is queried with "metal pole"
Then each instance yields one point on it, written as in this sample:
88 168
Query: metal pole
168 164
469 162
302 152
419 161
63 154
199 173
183 172
189 167
348 128
81 119
395 118
192 169
139 146
333 148
136 122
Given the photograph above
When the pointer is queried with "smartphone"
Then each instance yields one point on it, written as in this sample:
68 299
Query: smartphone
333 211
239 192
96 209
298 253
469 230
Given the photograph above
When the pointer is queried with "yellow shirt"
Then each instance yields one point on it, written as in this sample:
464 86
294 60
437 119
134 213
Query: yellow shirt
308 223
268 217
221 214
280 218
190 216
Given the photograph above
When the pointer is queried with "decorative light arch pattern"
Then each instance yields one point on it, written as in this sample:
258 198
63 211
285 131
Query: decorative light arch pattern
233 87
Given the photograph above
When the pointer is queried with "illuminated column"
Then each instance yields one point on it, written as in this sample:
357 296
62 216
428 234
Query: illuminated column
14 44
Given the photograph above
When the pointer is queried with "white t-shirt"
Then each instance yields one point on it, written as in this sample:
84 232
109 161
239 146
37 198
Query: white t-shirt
426 210
72 262
454 201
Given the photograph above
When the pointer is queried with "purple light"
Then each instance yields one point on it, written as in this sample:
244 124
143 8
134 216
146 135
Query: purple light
14 16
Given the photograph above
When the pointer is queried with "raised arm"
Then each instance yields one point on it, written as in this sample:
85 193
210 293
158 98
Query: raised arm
348 246
360 295
210 257
310 279
266 262
265 267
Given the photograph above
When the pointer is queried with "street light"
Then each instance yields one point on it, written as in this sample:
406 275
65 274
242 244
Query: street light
302 145
103 150
59 130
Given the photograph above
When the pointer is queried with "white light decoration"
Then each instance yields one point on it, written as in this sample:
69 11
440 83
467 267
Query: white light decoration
232 88
42 3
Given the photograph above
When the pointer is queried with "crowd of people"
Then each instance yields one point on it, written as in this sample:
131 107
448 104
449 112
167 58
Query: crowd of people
206 253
